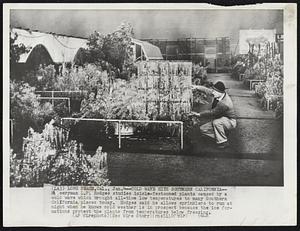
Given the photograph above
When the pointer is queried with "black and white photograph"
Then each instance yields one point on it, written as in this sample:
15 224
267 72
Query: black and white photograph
147 97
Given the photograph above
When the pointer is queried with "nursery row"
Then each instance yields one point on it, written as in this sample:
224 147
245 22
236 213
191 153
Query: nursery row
50 157
90 92
264 73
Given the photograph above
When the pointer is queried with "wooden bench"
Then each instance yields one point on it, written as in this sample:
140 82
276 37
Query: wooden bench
253 82
268 100
241 77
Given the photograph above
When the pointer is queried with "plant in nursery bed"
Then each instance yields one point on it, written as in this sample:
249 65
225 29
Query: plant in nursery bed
199 97
61 109
43 78
269 69
279 109
261 89
120 102
86 78
72 167
27 111
92 133
44 162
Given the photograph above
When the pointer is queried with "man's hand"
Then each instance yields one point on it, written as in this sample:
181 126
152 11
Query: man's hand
194 87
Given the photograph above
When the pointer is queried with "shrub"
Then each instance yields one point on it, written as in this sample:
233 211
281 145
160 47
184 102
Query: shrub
15 51
73 167
27 111
42 78
199 97
85 78
261 89
279 109
114 48
44 162
120 101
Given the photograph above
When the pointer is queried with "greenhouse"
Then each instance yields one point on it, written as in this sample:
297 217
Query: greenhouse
50 48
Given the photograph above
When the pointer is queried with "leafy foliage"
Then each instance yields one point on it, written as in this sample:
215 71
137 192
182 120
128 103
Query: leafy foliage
72 167
114 48
199 97
25 105
27 111
120 101
15 51
263 66
85 78
279 109
43 78
44 162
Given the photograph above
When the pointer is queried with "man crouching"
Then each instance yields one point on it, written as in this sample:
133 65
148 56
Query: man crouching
222 114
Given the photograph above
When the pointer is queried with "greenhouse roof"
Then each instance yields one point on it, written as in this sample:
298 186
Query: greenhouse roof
151 51
61 48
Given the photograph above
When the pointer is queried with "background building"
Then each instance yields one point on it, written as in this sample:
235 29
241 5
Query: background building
212 52
46 48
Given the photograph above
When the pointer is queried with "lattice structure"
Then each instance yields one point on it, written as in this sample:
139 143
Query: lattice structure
166 87
194 49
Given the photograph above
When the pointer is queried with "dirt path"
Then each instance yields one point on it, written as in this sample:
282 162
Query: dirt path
258 131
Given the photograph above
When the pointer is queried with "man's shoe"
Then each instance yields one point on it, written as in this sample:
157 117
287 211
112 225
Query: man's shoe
223 145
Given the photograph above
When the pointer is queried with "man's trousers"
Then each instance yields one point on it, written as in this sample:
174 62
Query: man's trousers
217 129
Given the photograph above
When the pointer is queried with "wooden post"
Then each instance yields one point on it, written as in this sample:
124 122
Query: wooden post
69 105
158 93
191 48
23 145
52 95
11 130
268 104
119 133
216 59
146 90
166 50
169 85
241 76
181 136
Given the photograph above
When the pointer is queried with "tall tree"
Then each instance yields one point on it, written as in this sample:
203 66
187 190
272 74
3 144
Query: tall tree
15 52
115 48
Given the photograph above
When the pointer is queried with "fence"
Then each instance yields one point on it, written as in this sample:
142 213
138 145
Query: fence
74 96
130 121
53 93
269 101
166 87
69 94
57 98
254 82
